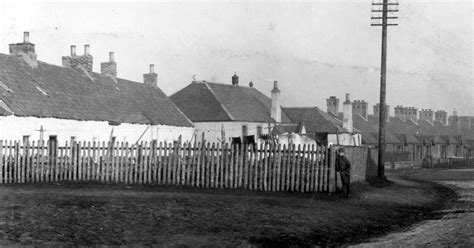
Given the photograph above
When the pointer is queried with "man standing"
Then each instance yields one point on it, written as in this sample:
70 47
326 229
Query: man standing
343 166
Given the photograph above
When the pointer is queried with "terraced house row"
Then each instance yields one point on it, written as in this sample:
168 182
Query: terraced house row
41 101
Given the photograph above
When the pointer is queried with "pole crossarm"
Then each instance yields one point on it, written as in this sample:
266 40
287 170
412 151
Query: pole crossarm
388 24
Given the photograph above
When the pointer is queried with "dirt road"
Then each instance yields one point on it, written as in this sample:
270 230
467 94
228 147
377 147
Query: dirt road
455 228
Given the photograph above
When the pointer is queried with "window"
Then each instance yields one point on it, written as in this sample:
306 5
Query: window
244 130
26 139
259 131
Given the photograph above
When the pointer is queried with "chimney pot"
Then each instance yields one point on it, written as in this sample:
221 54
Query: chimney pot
86 49
235 80
73 50
26 37
275 87
152 68
347 99
111 56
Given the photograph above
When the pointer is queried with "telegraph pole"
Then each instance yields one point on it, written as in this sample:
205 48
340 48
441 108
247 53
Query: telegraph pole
383 7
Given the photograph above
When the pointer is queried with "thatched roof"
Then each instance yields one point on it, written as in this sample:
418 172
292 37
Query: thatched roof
59 92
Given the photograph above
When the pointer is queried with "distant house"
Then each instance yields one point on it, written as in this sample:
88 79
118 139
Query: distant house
221 112
326 128
38 100
293 135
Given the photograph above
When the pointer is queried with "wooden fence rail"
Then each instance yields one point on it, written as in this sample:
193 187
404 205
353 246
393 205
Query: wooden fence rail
265 168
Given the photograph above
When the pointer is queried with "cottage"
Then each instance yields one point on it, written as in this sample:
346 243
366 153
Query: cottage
327 128
221 112
38 100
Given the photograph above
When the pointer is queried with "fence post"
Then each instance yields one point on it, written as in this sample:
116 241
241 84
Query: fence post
198 154
241 164
332 170
1 161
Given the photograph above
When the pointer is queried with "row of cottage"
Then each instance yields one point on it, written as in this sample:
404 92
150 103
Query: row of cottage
39 101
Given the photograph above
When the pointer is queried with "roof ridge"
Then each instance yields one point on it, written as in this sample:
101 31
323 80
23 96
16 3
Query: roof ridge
219 101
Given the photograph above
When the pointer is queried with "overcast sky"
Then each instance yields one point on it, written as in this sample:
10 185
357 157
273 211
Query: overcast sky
314 49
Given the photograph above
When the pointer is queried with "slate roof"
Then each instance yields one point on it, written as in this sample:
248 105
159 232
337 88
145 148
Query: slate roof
369 130
205 101
59 92
315 120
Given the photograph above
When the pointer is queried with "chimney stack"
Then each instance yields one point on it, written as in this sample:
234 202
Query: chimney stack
151 78
109 68
332 105
411 113
427 115
84 62
400 112
377 111
347 122
235 80
442 117
25 50
251 84
465 123
360 107
276 108
453 120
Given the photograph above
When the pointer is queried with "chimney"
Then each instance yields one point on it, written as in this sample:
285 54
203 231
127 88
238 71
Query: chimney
465 123
442 117
83 62
333 105
360 107
87 49
276 108
347 114
151 78
251 84
26 37
453 120
235 80
411 113
25 50
109 68
377 111
427 115
400 112
73 50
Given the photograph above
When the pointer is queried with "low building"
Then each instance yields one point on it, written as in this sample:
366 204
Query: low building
38 100
221 112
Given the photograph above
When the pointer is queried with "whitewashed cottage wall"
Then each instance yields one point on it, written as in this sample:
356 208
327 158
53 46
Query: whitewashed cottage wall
213 130
14 128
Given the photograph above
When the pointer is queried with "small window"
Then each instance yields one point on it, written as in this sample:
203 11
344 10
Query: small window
26 139
259 131
244 130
